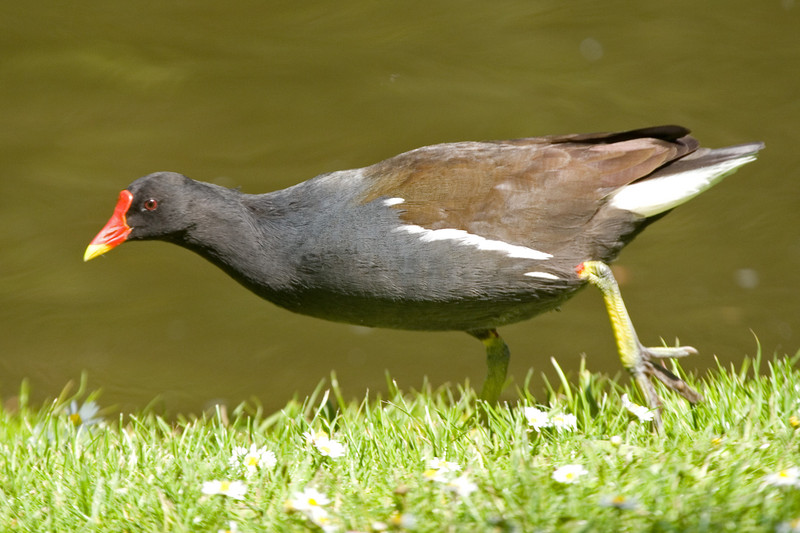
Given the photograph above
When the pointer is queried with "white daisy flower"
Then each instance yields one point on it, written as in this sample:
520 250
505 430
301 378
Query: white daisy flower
252 459
233 527
536 418
307 500
644 414
440 470
620 502
442 465
403 520
569 474
312 436
321 518
789 477
231 489
325 445
462 486
564 422
330 448
84 415
790 526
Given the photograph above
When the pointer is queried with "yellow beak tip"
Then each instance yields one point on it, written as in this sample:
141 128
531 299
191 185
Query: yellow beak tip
94 250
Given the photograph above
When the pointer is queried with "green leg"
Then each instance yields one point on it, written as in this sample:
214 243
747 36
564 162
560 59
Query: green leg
497 356
637 359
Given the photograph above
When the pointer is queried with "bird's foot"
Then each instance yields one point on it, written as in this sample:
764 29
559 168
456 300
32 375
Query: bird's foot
660 372
646 367
639 360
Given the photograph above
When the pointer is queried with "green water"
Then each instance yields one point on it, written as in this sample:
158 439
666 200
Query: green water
263 95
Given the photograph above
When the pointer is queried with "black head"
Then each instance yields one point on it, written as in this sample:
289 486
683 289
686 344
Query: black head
159 207
156 206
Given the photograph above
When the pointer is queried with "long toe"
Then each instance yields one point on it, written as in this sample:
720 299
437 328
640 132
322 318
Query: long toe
668 352
660 372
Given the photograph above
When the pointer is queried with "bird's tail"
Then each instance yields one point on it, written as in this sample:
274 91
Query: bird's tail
682 180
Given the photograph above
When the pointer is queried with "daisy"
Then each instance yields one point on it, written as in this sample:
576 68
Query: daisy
325 445
442 465
312 436
253 459
330 448
789 477
85 415
642 413
564 422
321 518
791 526
536 418
307 500
569 474
462 486
440 470
403 520
231 489
233 527
432 474
619 502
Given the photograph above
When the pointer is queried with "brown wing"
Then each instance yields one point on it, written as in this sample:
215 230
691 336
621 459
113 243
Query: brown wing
543 188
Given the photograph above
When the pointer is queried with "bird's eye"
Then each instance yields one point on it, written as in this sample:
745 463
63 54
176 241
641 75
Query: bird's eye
151 204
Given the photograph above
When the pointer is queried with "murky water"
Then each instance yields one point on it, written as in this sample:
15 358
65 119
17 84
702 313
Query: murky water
264 95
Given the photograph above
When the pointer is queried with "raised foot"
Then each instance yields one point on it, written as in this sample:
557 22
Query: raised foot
649 368
637 359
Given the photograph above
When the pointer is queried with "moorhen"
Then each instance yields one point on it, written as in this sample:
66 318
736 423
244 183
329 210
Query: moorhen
463 236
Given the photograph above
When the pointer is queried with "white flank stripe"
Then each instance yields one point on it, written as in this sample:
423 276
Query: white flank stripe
543 275
393 201
468 239
654 196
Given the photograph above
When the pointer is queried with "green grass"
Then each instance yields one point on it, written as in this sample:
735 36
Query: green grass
708 472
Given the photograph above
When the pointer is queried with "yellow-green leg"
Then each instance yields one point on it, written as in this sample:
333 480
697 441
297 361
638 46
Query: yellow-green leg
637 359
497 356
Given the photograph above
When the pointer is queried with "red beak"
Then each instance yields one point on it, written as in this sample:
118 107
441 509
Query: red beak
116 230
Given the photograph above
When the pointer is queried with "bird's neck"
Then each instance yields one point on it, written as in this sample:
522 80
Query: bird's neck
250 247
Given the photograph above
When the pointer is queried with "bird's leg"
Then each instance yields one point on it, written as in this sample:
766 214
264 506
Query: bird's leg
497 356
637 359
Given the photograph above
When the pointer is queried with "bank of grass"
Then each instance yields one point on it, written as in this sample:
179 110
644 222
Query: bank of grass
725 465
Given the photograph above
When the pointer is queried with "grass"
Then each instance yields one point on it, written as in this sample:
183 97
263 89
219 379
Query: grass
420 461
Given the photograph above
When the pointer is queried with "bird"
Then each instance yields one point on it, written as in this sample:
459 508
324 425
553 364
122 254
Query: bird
460 236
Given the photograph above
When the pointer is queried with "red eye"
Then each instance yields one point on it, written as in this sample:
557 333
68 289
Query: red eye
151 204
